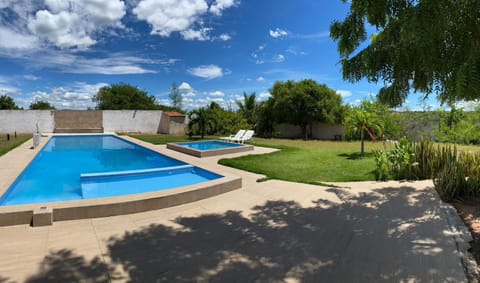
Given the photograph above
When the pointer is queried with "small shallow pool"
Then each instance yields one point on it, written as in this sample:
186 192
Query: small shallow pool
84 167
209 148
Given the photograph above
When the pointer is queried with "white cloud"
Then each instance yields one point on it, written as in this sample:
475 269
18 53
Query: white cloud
278 58
166 17
113 64
206 71
73 23
224 37
277 33
264 95
219 5
185 87
344 93
260 79
31 77
201 34
188 94
259 62
76 96
216 93
17 40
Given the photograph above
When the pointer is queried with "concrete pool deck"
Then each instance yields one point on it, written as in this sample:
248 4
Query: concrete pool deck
273 231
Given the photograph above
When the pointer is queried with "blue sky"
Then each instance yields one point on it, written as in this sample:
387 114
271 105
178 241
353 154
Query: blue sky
63 51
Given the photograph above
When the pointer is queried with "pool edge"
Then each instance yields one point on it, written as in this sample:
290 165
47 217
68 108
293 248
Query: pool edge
208 153
122 205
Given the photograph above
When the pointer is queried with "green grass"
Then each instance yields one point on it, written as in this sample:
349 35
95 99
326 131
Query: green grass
313 162
310 162
6 146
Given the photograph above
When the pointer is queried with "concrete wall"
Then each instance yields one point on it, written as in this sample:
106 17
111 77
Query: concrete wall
78 119
24 121
172 125
133 121
321 131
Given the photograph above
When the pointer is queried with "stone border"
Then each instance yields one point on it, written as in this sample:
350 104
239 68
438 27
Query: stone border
45 213
208 153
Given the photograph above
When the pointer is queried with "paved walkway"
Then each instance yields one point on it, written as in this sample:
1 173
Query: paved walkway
271 231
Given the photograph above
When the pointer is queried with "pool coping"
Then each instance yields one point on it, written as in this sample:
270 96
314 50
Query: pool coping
40 214
208 153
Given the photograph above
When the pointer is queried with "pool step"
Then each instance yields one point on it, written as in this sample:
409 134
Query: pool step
105 184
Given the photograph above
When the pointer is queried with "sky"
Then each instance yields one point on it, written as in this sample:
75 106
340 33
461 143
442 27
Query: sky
63 51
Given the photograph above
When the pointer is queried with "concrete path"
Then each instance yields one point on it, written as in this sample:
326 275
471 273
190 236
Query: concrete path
271 231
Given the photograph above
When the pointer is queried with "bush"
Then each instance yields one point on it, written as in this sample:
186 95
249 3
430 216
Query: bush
455 174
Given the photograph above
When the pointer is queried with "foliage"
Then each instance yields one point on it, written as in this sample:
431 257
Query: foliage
176 97
201 121
248 108
455 173
398 163
7 103
364 119
304 102
41 105
427 46
457 126
123 96
265 119
220 121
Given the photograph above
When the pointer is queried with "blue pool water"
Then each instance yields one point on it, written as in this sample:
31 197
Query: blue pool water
209 145
81 167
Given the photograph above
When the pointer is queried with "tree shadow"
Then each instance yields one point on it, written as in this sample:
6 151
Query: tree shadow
359 240
65 266
355 155
392 234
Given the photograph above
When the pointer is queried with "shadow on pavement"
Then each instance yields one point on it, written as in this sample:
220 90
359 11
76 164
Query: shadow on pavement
390 234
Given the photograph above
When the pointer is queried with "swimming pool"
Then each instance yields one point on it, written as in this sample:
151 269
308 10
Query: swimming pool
84 167
209 147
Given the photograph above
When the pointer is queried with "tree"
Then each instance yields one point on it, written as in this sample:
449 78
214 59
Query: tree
248 108
302 103
176 97
123 96
201 119
361 120
7 103
41 105
425 46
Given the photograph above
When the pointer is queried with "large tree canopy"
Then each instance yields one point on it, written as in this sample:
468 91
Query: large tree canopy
304 102
6 102
41 105
430 46
123 96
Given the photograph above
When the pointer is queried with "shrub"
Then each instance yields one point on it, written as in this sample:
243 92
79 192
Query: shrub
455 174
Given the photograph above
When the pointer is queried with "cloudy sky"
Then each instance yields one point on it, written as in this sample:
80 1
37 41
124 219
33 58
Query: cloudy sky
63 51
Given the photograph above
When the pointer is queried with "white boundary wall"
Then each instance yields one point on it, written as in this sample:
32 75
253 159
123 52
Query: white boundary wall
141 121
25 121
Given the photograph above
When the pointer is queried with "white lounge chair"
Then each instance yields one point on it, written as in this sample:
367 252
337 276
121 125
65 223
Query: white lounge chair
246 137
237 136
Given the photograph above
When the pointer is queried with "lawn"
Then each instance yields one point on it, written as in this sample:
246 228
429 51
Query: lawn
312 162
7 145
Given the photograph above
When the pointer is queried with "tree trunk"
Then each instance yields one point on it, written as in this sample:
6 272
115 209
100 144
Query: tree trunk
304 131
362 138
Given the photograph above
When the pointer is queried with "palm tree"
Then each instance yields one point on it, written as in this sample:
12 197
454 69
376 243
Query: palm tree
248 108
359 120
201 117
